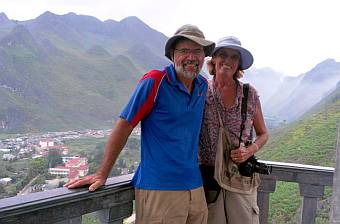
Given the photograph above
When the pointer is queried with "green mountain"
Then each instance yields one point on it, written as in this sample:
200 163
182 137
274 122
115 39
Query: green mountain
310 140
62 72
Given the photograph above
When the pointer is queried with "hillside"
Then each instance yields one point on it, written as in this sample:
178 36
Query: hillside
310 140
64 72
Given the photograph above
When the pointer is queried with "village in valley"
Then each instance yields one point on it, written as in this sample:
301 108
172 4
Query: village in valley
63 165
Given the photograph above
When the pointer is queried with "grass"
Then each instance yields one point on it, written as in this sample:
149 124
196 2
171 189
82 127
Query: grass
6 136
84 145
282 203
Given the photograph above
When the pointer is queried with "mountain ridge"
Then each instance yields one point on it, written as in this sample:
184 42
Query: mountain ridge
87 60
303 91
62 76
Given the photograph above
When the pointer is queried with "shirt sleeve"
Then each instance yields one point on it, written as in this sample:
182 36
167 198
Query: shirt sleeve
140 103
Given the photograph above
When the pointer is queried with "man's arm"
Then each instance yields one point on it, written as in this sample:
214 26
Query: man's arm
114 146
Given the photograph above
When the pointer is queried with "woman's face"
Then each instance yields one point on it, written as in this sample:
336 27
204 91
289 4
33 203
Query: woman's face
226 62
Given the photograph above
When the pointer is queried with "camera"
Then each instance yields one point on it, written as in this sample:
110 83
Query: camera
251 166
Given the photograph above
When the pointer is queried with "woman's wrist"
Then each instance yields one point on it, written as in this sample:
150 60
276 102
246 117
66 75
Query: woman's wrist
256 146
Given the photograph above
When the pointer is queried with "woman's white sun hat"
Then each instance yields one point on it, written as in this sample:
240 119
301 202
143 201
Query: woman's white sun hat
247 58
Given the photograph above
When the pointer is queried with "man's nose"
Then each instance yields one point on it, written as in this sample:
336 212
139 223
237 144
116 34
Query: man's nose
191 55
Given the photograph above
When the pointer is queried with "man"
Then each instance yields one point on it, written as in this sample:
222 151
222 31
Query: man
169 104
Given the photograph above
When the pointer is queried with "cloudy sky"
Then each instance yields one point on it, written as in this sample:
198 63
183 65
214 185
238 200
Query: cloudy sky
291 36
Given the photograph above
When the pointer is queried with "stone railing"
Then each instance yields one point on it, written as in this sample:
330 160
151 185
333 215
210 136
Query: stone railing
114 202
311 179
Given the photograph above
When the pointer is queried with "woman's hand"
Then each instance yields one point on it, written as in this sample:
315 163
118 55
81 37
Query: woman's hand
240 154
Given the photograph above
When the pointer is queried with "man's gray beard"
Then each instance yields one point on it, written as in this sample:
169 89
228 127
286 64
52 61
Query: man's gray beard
186 74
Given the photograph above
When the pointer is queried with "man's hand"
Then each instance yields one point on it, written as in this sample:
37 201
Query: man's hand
95 181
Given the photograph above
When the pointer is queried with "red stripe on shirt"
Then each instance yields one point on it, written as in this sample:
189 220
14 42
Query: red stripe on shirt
146 108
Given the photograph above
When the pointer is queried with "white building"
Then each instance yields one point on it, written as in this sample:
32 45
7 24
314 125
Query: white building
68 158
74 168
8 157
46 143
5 150
5 181
59 170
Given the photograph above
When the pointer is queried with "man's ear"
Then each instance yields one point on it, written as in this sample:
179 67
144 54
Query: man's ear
172 54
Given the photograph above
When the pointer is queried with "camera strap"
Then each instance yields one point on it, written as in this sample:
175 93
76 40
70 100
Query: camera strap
244 109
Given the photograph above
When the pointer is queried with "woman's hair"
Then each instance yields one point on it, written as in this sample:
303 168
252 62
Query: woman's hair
211 68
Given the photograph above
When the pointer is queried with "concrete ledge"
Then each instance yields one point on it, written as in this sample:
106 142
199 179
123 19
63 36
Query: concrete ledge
60 204
114 202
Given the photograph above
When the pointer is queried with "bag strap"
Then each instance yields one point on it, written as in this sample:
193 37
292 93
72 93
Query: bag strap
244 109
215 100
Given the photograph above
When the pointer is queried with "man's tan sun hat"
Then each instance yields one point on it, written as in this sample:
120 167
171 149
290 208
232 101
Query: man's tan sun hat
193 33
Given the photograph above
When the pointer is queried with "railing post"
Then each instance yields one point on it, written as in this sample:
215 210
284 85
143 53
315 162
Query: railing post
310 194
335 210
116 214
77 220
268 185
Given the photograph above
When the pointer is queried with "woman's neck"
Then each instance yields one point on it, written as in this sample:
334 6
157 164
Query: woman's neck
224 82
227 89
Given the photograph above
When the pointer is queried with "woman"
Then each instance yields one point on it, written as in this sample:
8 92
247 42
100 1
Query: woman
220 143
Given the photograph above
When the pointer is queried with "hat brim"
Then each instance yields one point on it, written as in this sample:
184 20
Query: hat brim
208 46
247 58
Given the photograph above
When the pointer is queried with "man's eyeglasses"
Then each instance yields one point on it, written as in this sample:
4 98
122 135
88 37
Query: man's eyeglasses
186 51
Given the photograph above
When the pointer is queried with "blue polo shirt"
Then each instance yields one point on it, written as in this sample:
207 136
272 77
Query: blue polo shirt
170 125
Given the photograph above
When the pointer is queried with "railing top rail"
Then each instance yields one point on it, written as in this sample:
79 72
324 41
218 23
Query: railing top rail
303 174
59 195
299 173
296 166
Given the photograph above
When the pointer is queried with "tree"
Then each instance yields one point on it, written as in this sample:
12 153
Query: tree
2 189
115 171
121 163
133 144
132 169
54 158
10 168
96 157
19 186
3 170
37 166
